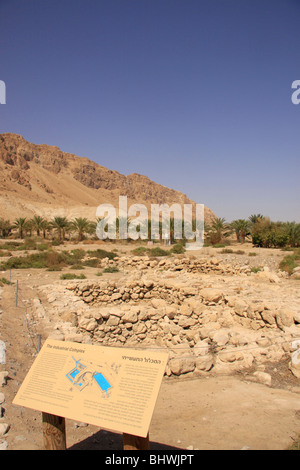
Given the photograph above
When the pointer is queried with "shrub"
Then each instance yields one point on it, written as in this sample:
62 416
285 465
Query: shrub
92 263
178 249
111 269
256 269
157 251
56 242
102 254
42 247
77 266
140 251
28 244
289 262
54 268
70 276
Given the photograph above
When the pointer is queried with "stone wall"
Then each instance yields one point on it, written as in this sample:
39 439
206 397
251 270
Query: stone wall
204 328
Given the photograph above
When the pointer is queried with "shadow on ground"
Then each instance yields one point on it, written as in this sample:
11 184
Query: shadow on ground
106 440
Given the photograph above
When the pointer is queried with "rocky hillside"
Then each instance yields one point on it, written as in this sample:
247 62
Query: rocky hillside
43 180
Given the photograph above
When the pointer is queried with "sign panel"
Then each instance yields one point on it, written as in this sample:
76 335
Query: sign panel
114 388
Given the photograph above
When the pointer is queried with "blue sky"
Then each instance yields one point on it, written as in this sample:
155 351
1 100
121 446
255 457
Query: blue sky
195 94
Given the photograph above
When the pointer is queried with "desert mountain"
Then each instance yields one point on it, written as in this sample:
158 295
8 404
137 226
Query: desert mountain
43 180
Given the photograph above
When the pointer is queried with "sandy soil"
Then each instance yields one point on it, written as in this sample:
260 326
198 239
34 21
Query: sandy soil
213 413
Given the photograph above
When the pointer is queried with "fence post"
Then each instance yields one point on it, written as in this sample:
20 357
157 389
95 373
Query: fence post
17 291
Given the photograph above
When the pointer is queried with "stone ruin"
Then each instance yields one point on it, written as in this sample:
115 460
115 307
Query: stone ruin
205 329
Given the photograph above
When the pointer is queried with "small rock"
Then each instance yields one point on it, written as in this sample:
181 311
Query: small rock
263 378
2 352
3 378
4 428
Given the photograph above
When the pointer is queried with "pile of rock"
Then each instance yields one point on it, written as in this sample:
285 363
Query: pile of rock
178 263
203 328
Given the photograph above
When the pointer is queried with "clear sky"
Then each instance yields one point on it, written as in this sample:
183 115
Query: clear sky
195 94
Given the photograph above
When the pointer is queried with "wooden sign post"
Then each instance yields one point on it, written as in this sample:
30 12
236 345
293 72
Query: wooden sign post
54 432
131 442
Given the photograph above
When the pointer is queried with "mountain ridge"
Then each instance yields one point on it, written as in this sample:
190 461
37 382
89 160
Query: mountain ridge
40 179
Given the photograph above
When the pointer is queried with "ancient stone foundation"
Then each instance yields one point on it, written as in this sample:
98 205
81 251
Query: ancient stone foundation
205 329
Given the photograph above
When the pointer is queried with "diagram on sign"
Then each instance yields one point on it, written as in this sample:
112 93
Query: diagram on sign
85 375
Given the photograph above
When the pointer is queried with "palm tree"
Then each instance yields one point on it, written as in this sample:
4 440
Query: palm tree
218 230
293 231
60 224
45 225
241 228
37 224
255 218
5 227
20 224
81 226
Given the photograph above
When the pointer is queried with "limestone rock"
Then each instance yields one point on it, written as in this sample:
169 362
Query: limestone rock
284 317
4 428
211 294
182 365
263 378
204 363
294 365
130 317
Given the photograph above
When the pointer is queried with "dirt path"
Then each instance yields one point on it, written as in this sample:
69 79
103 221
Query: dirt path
205 413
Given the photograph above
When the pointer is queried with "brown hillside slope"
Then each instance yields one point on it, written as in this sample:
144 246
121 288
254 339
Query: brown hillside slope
43 180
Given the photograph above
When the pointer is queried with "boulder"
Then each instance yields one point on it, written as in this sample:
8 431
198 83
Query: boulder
201 348
284 317
88 324
211 295
240 307
294 365
220 337
262 378
130 317
182 365
204 363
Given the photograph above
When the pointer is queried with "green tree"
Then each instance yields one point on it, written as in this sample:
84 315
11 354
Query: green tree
61 225
45 227
218 231
5 227
81 226
20 225
37 224
255 218
293 231
241 228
